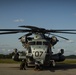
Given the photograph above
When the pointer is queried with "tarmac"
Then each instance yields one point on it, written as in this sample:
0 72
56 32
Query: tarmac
59 69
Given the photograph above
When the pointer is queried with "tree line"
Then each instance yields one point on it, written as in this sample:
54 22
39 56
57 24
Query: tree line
9 56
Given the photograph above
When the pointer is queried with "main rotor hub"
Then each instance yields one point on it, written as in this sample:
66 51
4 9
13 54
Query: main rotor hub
38 36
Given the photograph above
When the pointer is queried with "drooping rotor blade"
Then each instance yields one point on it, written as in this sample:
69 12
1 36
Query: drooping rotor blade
60 36
14 32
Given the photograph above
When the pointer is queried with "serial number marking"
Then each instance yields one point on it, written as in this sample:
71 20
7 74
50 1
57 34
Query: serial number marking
38 53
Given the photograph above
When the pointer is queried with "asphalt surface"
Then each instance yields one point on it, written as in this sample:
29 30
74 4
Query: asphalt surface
59 69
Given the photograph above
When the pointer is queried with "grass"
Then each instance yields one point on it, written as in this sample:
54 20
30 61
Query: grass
67 61
8 61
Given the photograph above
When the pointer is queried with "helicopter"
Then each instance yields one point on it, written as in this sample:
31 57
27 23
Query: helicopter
38 45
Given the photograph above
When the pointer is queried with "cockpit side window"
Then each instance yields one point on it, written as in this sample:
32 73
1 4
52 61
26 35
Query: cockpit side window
32 43
45 43
38 43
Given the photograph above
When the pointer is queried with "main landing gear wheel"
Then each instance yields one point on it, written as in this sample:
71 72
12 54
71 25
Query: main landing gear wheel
52 63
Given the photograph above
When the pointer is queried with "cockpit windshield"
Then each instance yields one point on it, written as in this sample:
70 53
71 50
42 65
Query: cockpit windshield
38 43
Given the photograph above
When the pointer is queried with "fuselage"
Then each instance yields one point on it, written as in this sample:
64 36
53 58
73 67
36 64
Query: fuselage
39 49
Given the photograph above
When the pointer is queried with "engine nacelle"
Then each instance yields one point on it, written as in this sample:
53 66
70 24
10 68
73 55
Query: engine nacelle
53 40
23 39
59 56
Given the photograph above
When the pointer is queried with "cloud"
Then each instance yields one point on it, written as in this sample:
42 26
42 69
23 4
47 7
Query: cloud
3 49
4 45
70 41
19 20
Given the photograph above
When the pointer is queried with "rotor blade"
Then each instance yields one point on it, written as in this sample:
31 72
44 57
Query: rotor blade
28 34
64 32
60 36
53 30
49 30
32 27
8 32
19 30
10 29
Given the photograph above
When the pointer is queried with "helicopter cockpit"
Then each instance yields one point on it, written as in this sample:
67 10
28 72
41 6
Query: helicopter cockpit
38 43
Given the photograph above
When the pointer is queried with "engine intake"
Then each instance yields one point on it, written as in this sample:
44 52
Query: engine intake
53 40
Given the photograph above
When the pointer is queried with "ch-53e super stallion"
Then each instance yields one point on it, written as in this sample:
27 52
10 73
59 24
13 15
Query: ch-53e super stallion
38 45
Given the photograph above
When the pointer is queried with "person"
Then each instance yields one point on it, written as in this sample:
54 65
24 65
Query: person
22 65
16 55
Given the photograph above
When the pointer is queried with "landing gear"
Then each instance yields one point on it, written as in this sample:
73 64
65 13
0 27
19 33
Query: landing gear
38 66
52 63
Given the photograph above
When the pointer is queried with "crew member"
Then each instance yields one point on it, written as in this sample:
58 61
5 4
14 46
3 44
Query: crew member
23 65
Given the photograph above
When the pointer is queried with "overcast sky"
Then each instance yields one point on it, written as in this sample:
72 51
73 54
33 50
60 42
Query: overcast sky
49 14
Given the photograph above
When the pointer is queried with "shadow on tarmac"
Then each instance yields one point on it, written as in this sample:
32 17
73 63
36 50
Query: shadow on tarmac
58 66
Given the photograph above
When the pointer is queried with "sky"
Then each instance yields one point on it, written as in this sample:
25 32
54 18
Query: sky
49 14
